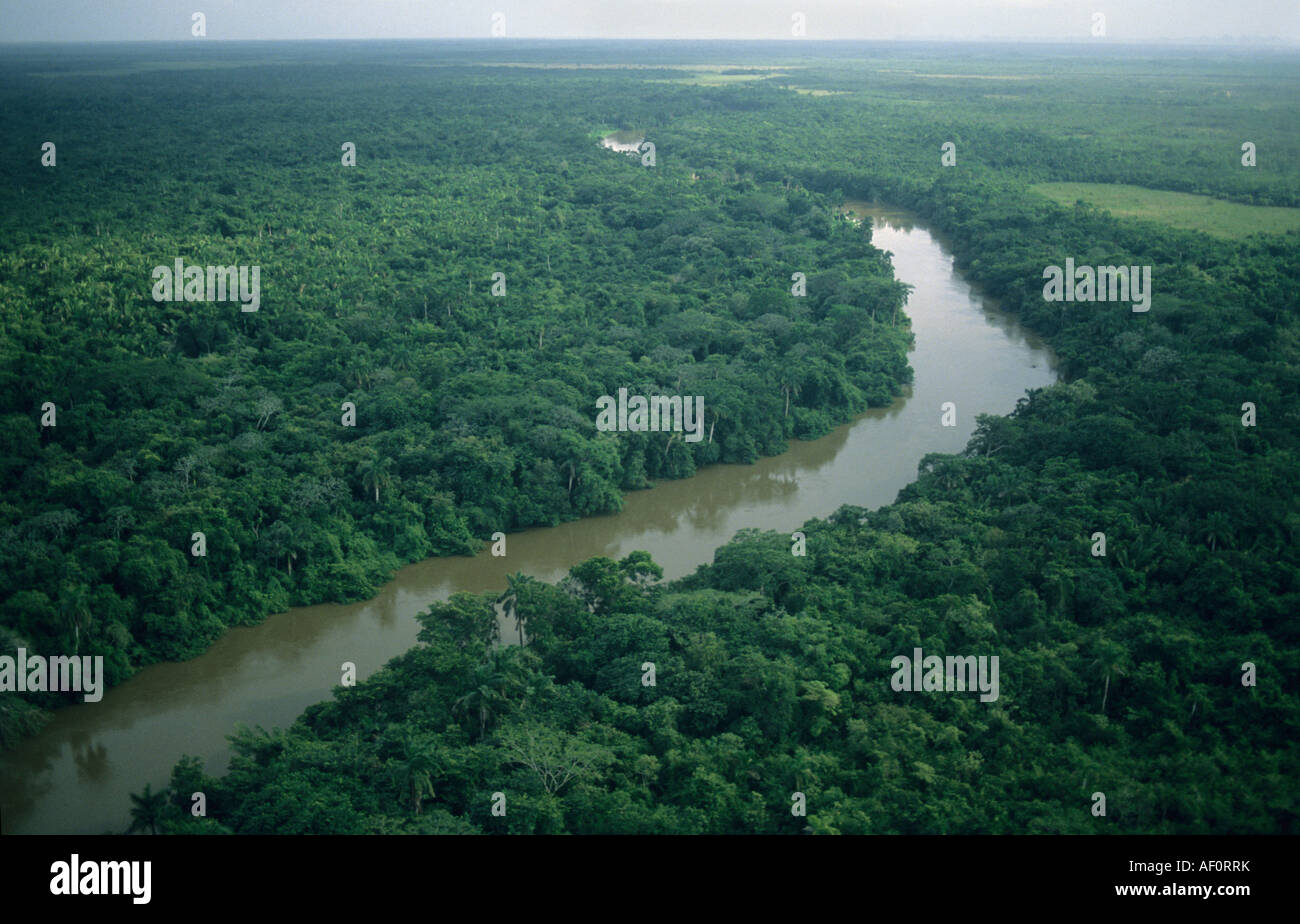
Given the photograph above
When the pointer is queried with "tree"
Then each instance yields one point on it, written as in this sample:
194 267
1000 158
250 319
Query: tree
375 473
265 408
497 681
468 620
120 518
639 568
1216 529
185 467
556 757
1112 659
147 809
485 699
414 770
281 541
74 603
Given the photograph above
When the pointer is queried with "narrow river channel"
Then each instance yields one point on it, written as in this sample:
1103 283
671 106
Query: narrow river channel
75 776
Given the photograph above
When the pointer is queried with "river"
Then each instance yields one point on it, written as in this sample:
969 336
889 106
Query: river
76 775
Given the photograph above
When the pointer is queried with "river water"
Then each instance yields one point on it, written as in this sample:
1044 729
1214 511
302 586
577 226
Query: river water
75 776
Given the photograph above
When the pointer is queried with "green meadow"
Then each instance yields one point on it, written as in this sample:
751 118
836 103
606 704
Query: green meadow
1178 210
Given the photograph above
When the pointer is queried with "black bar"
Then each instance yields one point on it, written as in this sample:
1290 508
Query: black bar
658 875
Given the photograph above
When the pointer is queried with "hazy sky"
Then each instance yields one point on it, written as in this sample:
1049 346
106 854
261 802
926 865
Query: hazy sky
1029 20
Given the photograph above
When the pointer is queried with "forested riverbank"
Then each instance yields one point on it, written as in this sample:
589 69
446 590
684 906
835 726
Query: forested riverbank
473 412
76 775
1121 674
1160 674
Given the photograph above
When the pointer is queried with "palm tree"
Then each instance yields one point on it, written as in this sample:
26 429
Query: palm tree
280 541
496 680
146 809
375 474
509 604
1112 659
484 699
1217 528
788 387
74 601
515 583
414 771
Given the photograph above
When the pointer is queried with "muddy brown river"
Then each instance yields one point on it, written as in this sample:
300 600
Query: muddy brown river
75 776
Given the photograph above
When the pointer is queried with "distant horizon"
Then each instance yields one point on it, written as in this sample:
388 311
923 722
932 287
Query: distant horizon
1223 42
1267 23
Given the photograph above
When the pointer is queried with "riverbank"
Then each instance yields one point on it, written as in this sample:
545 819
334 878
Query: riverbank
75 775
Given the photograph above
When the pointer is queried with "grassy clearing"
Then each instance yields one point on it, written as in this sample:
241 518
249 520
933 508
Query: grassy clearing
715 79
983 76
1180 210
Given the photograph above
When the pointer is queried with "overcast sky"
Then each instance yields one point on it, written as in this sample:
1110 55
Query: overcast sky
1025 20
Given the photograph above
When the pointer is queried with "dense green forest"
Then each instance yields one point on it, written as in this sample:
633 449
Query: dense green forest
474 413
1120 674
